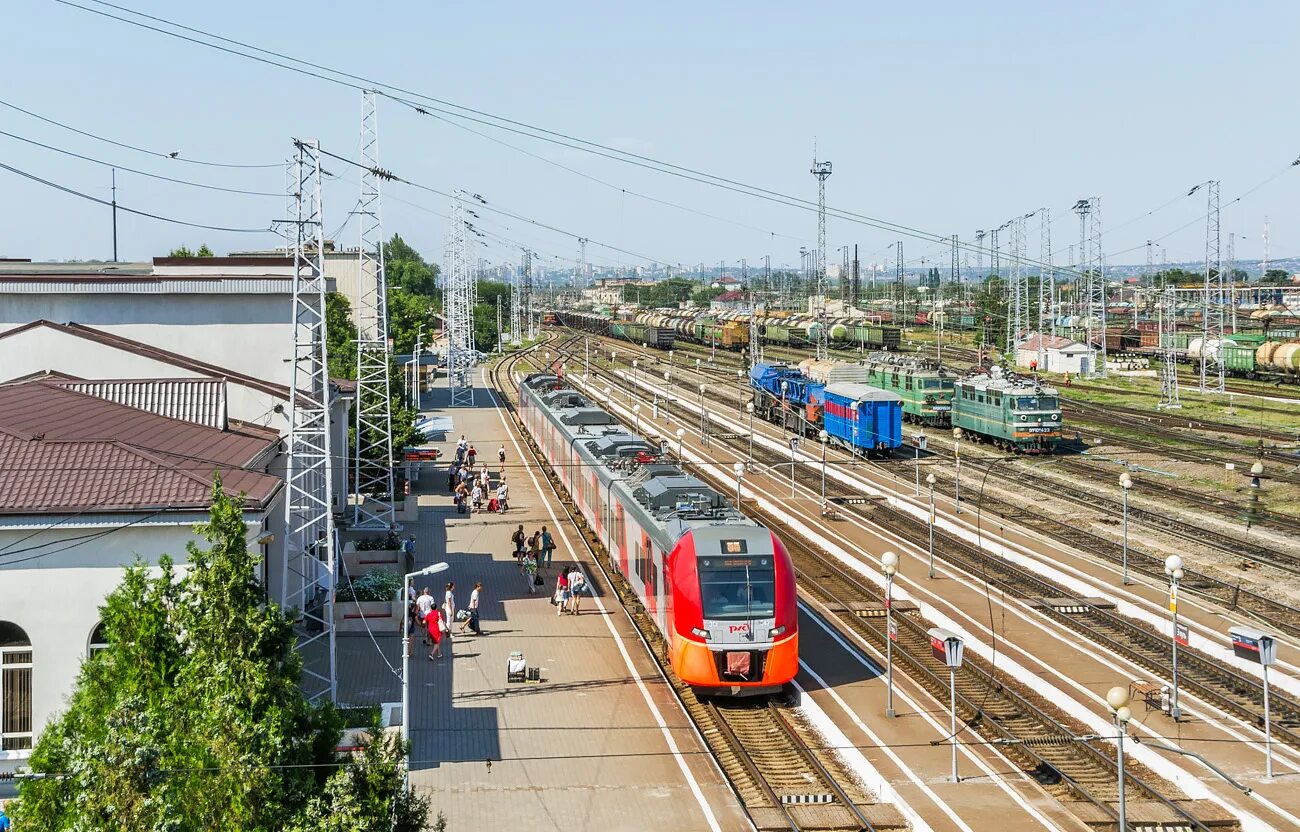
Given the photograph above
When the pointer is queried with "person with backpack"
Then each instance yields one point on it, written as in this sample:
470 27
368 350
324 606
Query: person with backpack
501 456
561 599
520 540
471 621
548 548
535 547
577 586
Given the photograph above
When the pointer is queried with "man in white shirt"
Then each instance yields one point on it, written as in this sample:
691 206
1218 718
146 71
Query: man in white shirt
423 604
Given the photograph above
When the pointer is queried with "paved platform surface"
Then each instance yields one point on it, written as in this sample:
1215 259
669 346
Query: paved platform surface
598 744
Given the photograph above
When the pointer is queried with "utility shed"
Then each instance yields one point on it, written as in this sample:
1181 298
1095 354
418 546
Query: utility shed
1053 354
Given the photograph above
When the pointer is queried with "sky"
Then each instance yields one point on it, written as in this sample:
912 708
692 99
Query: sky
944 117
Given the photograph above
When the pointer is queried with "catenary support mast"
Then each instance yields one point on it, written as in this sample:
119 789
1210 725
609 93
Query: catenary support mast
372 463
307 585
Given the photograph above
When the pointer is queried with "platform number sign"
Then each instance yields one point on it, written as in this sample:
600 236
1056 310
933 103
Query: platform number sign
893 630
1253 646
1182 635
919 441
794 444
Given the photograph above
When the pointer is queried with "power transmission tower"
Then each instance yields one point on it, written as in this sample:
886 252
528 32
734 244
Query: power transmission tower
900 287
372 471
526 274
1046 281
1169 349
1019 312
307 585
1231 297
1212 298
821 170
1093 271
979 252
516 307
458 300
855 289
1263 271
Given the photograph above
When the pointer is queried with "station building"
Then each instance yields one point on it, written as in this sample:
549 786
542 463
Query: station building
1059 355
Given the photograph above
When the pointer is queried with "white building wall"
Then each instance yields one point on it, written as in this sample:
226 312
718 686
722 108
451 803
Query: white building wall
57 598
1055 360
250 334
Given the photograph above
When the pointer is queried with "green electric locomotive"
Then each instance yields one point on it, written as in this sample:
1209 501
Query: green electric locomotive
925 387
1013 412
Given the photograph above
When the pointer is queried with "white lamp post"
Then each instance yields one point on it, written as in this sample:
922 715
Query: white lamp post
740 389
739 470
957 435
609 397
406 660
704 419
784 385
668 375
929 480
889 566
636 411
1125 483
632 386
1117 699
681 432
823 436
1174 569
749 408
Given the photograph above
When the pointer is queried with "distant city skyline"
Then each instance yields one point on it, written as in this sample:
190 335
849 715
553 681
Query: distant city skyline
949 122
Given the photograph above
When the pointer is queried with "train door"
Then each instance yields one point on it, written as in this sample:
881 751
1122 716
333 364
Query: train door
619 539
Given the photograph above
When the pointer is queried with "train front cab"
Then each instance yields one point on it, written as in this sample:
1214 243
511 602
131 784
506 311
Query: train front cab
734 621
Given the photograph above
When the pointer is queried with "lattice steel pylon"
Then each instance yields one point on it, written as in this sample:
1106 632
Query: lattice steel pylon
900 287
1046 281
526 276
307 584
1169 399
458 301
821 170
979 254
516 307
1093 276
1018 315
372 462
1212 298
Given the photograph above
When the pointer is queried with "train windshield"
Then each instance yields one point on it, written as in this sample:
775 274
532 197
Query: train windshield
1036 403
936 384
737 588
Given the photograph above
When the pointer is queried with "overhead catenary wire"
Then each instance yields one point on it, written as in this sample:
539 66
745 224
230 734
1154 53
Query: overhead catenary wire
135 211
173 156
139 172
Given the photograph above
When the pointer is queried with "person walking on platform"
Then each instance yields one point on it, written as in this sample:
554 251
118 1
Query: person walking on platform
520 540
548 549
535 547
501 456
577 586
561 599
485 480
530 572
471 621
503 494
411 621
433 626
422 606
449 604
471 455
453 477
462 444
476 497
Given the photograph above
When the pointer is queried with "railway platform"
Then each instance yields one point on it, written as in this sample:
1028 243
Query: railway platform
597 742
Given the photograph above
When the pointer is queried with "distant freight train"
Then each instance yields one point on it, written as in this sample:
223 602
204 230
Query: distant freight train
729 330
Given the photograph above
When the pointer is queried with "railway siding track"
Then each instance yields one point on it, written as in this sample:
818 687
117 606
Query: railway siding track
1071 764
767 757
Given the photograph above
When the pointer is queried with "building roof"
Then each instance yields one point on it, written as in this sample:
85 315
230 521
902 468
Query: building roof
63 450
728 297
1051 342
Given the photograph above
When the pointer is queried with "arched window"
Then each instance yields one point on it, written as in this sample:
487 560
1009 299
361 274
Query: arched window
15 688
98 641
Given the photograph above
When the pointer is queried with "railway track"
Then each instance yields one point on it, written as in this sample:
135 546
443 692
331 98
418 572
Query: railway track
782 774
1070 764
1211 680
1230 595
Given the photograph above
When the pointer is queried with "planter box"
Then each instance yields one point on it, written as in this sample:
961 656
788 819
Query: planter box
359 563
382 616
408 511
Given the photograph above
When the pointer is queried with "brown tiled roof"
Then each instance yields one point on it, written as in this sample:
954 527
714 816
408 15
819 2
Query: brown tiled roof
61 450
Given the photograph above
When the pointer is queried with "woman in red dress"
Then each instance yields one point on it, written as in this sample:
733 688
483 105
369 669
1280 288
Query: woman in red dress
433 623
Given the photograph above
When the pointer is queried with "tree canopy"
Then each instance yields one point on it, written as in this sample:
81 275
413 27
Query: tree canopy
184 251
193 718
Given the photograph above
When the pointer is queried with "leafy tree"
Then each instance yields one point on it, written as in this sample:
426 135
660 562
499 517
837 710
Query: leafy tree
407 312
405 268
703 296
1276 277
340 337
991 310
663 294
184 251
194 718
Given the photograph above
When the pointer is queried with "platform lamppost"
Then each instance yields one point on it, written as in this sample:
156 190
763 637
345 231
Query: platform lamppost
681 433
704 419
749 408
586 344
784 386
669 374
739 470
1125 483
697 366
631 388
740 389
636 411
957 435
823 436
1118 700
406 661
889 566
1174 569
929 480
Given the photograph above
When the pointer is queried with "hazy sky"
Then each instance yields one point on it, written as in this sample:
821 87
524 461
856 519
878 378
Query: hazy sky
948 117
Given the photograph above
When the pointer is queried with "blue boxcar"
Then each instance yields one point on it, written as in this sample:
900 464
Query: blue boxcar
864 417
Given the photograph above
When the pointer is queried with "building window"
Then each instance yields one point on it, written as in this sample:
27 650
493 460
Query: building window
15 688
98 641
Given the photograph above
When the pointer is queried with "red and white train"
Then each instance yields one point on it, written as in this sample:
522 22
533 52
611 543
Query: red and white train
719 586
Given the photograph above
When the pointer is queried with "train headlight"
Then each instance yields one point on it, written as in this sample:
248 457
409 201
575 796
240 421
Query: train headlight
1055 416
776 631
704 634
1024 418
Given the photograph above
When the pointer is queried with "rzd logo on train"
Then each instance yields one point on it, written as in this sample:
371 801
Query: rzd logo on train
738 628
